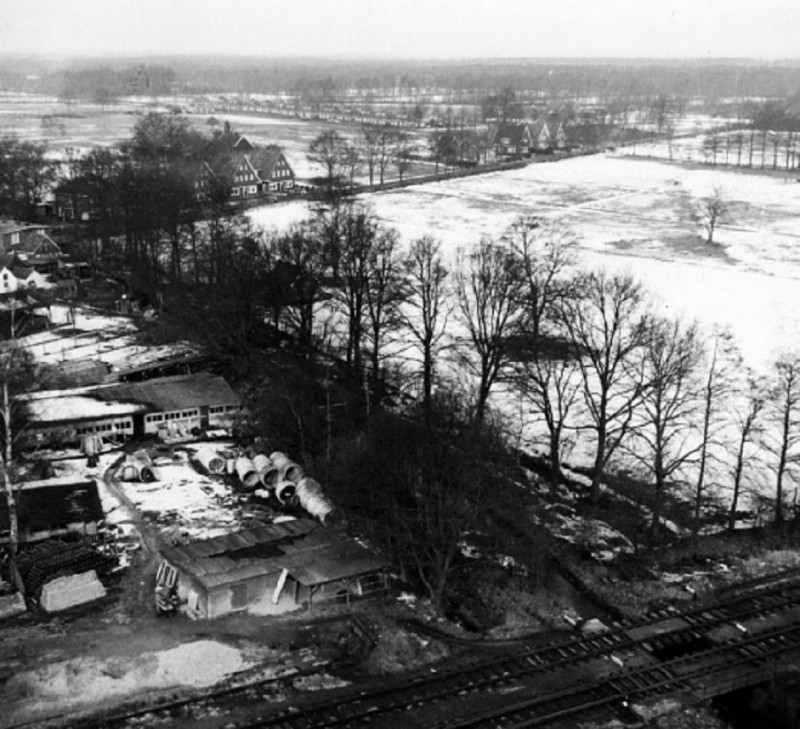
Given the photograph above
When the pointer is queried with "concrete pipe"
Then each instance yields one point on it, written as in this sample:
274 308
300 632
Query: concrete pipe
247 473
261 462
91 444
285 490
270 477
290 471
278 459
128 472
148 474
312 498
211 461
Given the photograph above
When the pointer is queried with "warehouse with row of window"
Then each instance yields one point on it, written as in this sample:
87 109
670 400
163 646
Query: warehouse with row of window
167 406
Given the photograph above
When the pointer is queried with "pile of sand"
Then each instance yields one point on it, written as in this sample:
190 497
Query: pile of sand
83 682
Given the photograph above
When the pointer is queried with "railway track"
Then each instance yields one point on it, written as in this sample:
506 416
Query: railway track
701 676
649 638
685 627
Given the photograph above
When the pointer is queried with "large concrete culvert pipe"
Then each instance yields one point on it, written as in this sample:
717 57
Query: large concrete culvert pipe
261 462
247 473
128 472
148 474
285 490
288 470
312 498
211 461
269 478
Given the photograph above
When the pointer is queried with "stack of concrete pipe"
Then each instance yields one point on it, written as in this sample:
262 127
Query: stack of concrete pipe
211 460
277 474
246 471
288 470
312 498
137 467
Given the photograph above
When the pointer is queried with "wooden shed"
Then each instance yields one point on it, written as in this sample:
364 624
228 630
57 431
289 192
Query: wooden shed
54 507
277 567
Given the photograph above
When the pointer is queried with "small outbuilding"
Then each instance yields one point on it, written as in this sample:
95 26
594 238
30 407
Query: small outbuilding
53 507
271 569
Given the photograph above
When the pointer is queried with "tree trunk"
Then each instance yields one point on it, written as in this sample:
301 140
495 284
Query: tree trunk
737 484
599 463
13 516
698 494
555 461
427 380
658 468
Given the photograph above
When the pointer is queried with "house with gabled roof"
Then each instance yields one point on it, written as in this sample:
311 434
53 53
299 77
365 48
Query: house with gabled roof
514 140
274 170
265 170
15 276
511 140
243 145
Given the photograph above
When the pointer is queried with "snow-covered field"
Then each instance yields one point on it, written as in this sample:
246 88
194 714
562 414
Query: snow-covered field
633 215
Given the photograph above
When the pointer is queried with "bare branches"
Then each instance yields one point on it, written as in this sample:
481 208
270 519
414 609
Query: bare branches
711 212
488 289
784 411
428 309
545 250
607 321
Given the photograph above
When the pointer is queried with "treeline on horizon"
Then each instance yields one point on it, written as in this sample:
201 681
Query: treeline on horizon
105 79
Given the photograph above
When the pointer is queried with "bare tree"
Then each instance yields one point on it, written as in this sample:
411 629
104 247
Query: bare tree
545 251
428 308
784 442
666 416
488 288
711 211
18 374
712 146
359 230
608 324
550 381
747 420
723 361
402 154
297 278
370 132
385 294
335 154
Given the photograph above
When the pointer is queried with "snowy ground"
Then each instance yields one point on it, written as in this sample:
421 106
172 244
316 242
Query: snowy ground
633 215
185 504
111 339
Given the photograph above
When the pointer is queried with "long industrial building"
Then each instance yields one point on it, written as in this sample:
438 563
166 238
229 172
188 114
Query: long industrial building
167 406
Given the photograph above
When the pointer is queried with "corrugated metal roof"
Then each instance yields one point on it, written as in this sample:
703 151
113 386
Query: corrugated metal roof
313 554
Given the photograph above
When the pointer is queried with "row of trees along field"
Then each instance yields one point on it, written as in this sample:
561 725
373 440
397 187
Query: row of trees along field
414 332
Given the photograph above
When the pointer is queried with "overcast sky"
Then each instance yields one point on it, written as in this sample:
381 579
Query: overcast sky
763 29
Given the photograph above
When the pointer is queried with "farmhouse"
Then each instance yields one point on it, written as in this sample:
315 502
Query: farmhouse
167 406
512 140
264 170
524 139
276 566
